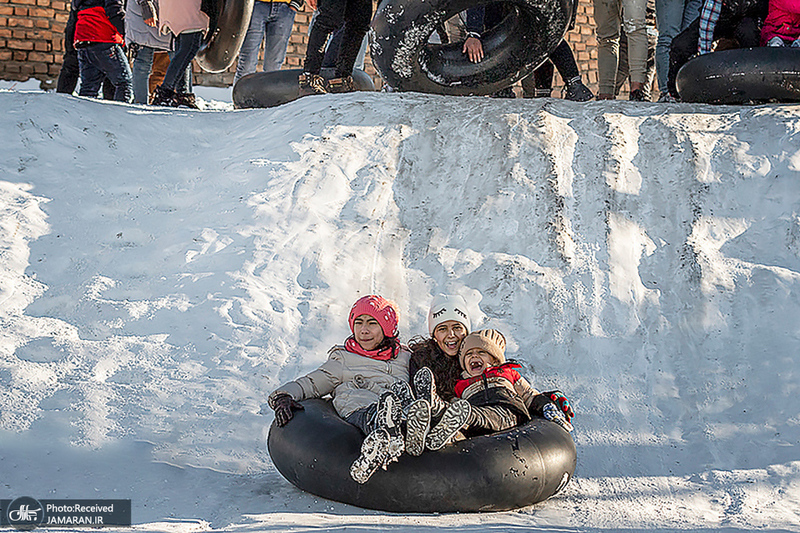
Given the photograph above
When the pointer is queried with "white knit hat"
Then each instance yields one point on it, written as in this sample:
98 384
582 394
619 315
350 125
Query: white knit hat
448 307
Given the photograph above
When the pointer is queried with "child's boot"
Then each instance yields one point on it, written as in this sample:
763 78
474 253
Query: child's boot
374 451
389 417
311 84
402 390
425 387
454 418
418 424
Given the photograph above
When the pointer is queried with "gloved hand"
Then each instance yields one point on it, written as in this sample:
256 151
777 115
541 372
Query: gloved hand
551 413
284 406
558 398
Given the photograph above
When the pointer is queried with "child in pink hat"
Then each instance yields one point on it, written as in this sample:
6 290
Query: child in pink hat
359 376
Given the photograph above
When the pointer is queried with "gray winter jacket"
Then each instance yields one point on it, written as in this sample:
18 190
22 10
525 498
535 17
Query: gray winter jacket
136 31
354 381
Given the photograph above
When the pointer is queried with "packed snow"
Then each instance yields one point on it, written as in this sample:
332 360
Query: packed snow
161 271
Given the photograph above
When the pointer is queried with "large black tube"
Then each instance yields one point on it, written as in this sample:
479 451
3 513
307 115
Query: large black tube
270 89
741 76
225 35
405 59
507 470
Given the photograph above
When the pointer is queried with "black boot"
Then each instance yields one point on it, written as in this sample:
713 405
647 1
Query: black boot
186 100
341 85
164 97
577 91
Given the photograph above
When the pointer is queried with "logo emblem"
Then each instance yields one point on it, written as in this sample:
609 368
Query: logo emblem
25 513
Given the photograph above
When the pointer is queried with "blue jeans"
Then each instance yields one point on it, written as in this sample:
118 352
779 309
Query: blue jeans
272 23
105 60
142 65
178 75
672 17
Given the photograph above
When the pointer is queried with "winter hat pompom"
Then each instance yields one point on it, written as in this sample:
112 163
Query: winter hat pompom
448 307
379 308
488 340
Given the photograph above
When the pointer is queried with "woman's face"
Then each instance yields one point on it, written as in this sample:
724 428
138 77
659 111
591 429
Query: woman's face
368 332
448 336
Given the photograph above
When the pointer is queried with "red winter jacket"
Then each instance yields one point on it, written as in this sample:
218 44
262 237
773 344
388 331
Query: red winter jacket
99 21
783 20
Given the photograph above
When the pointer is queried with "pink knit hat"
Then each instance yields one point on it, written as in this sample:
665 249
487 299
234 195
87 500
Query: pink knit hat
380 309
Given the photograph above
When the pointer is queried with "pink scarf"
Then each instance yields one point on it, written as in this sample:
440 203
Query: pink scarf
383 354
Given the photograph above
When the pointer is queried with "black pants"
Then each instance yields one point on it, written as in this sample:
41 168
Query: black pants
746 30
542 78
70 74
355 15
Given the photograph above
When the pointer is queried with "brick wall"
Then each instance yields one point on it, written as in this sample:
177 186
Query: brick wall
32 43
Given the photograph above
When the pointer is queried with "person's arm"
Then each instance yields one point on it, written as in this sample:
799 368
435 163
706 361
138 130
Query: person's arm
525 391
115 11
709 16
149 12
317 383
473 48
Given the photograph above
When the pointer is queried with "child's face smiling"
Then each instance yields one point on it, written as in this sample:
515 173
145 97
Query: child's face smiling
368 332
477 361
448 336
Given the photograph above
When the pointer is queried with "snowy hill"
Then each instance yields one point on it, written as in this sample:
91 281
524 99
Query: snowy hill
162 271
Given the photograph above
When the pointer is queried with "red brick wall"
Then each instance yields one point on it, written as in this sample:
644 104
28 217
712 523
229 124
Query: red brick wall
32 43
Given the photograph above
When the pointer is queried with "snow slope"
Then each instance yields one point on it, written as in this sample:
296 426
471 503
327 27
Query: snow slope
162 271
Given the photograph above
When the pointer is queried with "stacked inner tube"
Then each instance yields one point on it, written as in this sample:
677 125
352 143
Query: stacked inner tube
227 28
499 472
741 76
406 60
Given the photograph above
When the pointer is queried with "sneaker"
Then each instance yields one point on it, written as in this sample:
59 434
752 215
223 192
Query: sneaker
577 91
311 84
418 424
163 96
425 386
637 95
374 451
454 418
402 390
341 85
186 100
796 43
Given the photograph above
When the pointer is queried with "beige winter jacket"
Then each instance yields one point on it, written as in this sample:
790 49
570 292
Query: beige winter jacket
181 16
354 381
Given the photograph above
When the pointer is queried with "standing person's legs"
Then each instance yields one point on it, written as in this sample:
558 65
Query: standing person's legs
248 54
634 19
91 75
669 17
186 47
330 17
608 17
70 72
278 31
160 65
142 64
623 70
358 14
684 46
539 84
691 12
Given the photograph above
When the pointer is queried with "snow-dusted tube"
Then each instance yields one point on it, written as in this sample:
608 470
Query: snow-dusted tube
741 76
270 89
498 472
225 34
405 59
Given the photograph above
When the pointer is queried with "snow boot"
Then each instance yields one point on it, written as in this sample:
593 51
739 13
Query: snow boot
311 84
425 387
186 100
402 390
454 418
163 96
374 451
418 424
389 417
577 91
